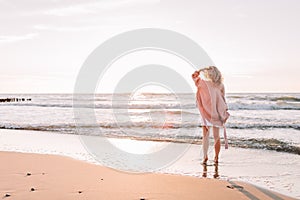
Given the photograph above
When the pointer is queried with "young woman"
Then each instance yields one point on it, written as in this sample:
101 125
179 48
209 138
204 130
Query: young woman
212 106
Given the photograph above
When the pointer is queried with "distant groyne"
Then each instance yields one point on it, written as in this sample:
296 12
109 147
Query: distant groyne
13 99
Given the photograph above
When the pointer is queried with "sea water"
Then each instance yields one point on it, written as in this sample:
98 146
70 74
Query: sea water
261 121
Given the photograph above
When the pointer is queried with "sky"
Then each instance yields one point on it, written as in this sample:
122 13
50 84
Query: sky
43 44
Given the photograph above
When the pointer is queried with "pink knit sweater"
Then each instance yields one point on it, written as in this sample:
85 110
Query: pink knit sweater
211 101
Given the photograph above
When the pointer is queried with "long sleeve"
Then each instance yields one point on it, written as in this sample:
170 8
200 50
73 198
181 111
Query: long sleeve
196 79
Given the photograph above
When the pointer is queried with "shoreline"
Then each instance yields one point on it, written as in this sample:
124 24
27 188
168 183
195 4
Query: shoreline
37 176
258 143
251 167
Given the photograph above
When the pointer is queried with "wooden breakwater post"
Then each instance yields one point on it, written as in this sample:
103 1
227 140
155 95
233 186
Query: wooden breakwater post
13 99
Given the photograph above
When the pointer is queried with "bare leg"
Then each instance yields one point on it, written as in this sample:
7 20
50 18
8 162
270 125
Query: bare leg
217 143
205 143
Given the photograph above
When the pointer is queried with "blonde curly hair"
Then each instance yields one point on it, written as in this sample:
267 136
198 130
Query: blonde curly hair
213 74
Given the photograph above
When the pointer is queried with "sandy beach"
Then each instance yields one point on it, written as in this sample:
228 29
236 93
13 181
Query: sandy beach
36 176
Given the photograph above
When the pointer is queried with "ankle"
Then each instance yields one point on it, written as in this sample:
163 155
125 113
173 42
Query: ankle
216 159
205 159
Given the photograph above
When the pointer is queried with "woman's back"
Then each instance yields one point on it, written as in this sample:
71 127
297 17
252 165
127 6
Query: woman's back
211 102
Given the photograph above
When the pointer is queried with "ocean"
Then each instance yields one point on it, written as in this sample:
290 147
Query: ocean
260 121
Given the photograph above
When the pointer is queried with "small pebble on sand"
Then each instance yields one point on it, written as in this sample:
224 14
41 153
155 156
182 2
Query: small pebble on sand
7 195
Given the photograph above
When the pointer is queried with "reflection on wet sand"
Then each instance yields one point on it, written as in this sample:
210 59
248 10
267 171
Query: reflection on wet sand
216 174
204 174
216 171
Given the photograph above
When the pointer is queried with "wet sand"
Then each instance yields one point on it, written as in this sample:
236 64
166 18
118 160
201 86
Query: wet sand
37 176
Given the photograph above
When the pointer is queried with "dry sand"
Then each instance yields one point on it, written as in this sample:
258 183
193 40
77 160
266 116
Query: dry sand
57 177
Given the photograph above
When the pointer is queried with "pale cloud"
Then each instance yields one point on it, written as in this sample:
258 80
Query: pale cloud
16 38
246 60
69 11
247 76
93 7
42 27
241 15
65 8
70 28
